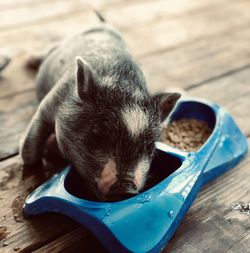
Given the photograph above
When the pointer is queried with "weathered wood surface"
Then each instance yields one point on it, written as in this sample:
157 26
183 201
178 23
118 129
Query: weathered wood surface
190 64
201 46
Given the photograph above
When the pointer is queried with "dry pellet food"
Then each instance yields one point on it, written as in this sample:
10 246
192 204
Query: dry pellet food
186 134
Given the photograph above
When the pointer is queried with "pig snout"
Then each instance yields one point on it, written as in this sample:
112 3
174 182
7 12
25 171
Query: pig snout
117 186
122 189
107 178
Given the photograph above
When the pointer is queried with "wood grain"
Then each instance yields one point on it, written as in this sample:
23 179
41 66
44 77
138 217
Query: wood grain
232 92
15 114
16 79
181 30
21 46
29 234
25 13
201 46
74 241
201 61
174 16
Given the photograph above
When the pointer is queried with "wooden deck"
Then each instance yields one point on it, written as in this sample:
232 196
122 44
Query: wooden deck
199 45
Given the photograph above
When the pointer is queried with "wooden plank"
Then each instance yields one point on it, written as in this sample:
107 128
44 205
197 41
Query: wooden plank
174 32
16 78
15 114
74 241
15 4
31 13
232 92
179 34
27 234
54 10
155 43
67 26
159 9
201 61
10 86
242 246
12 4
10 174
41 10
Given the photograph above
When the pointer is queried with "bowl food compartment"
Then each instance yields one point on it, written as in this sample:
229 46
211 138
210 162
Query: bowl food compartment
189 126
161 167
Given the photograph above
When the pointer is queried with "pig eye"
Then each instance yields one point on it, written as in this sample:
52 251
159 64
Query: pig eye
97 133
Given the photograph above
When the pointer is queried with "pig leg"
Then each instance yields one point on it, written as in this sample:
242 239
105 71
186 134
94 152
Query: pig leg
54 159
35 138
52 146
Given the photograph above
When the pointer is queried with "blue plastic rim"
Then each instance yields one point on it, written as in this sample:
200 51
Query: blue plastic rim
146 222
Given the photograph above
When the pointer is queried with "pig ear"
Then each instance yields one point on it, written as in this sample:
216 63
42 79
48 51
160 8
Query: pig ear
166 102
84 77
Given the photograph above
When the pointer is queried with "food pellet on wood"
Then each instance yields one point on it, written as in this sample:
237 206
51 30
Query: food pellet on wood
186 134
17 248
3 232
17 207
242 207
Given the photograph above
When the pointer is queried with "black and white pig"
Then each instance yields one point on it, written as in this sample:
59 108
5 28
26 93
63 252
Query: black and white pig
93 97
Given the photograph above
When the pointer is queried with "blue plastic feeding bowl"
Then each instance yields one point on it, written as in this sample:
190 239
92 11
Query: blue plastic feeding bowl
146 222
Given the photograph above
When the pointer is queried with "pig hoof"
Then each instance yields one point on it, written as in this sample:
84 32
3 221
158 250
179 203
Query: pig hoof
31 169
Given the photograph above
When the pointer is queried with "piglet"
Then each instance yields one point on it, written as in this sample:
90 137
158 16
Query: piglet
93 98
